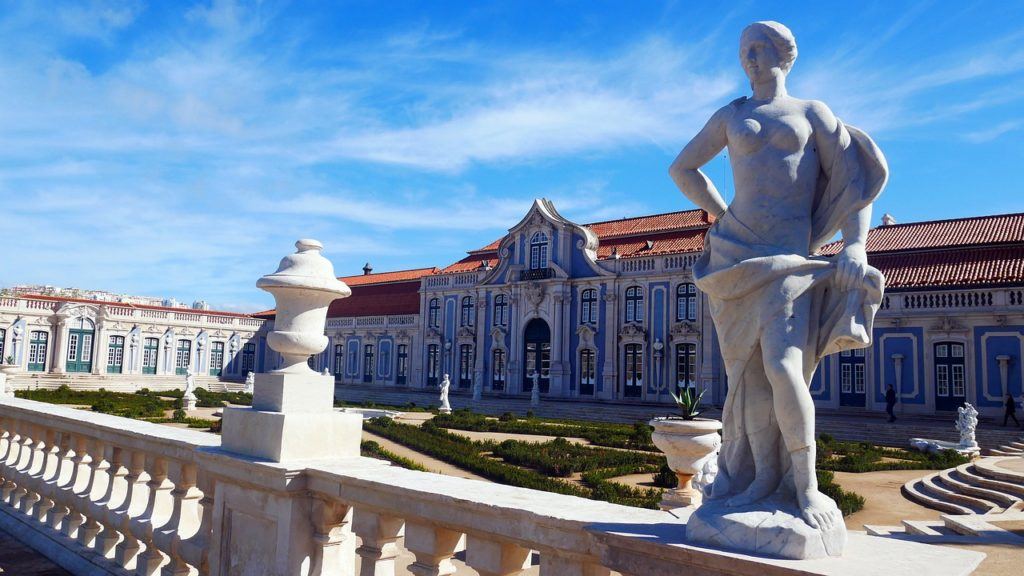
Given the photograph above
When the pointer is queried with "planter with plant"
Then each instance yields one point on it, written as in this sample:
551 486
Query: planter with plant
8 366
688 443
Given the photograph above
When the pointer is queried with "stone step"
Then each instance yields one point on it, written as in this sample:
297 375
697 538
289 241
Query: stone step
1002 452
914 491
969 473
964 485
989 468
1016 446
874 530
986 527
933 485
925 527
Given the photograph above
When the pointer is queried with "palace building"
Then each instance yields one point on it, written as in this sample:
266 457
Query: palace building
609 312
121 345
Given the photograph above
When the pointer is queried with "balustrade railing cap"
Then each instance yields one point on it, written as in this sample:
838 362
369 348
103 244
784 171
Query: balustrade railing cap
306 269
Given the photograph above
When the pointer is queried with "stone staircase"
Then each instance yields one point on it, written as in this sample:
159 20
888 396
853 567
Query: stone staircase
118 382
978 487
1012 448
977 499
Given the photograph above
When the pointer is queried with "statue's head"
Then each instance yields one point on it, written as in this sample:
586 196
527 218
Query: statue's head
766 49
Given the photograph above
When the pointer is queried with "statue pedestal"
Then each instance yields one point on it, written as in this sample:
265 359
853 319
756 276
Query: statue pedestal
292 418
772 527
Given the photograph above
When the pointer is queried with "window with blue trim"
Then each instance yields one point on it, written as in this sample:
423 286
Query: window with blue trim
588 306
634 304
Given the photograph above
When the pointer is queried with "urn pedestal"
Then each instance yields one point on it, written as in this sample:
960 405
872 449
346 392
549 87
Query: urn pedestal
687 444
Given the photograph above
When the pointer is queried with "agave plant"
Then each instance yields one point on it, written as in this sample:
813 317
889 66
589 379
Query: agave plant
9 360
688 402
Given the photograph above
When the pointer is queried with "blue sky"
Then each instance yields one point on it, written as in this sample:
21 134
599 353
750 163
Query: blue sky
177 149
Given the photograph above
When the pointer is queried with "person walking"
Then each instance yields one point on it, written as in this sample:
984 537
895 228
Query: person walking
890 403
1011 410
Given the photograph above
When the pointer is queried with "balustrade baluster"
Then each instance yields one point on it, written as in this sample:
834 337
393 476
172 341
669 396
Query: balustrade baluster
158 508
184 520
20 466
335 544
50 469
491 557
433 548
10 458
134 505
57 485
380 535
33 469
76 485
99 468
117 492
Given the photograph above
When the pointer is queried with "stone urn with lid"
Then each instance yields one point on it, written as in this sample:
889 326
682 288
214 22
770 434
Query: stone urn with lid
689 446
303 287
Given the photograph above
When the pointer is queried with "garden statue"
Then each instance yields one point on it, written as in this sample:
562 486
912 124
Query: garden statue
326 371
250 382
189 397
966 423
800 177
535 391
446 408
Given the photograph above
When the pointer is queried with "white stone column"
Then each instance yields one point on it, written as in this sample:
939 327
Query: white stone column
611 347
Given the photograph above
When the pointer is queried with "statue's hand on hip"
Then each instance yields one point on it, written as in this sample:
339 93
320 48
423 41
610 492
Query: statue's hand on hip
851 267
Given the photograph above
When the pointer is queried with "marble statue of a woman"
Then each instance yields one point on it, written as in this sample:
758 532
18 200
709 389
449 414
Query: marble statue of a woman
801 176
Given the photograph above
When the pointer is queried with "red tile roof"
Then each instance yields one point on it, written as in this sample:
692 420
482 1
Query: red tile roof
384 299
977 230
962 267
671 232
134 306
654 223
386 277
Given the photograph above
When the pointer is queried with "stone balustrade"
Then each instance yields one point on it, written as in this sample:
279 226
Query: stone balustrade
106 495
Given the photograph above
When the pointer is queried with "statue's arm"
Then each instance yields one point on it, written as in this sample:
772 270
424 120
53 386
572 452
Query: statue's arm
685 169
852 262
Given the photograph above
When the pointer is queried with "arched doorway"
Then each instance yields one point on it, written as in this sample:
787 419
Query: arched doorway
537 354
81 333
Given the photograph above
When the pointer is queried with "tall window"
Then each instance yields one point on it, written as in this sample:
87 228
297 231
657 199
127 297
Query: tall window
434 311
384 349
368 363
500 310
634 304
353 357
538 251
588 306
686 366
498 370
115 354
634 371
467 311
216 358
339 359
3 339
433 357
686 302
249 357
465 365
183 358
150 348
402 367
851 372
588 372
37 351
949 369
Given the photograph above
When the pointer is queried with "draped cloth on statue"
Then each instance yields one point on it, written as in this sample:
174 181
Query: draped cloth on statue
749 290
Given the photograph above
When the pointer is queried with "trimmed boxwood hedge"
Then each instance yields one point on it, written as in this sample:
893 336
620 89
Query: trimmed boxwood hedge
374 450
865 457
636 436
116 403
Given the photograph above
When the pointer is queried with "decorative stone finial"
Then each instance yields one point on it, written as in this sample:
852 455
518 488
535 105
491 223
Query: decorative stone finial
303 287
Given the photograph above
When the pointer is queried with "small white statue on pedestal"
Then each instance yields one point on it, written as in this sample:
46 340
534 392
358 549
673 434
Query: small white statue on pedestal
446 408
189 398
326 372
250 382
966 423
535 391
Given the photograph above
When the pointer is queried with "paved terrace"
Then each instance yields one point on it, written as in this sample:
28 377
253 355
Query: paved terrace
871 427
